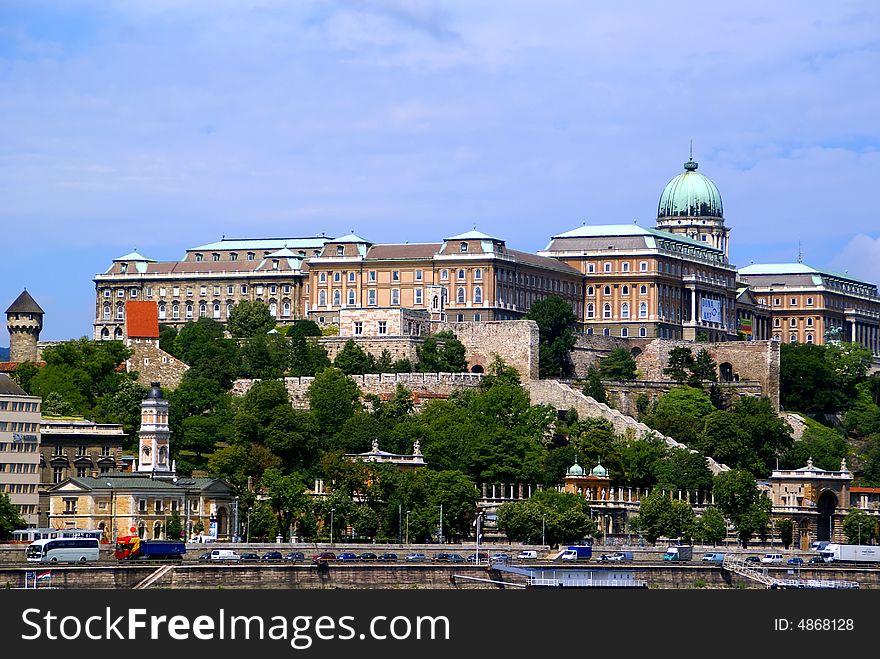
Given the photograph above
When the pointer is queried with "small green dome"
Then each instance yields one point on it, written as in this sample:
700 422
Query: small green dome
599 470
575 470
690 194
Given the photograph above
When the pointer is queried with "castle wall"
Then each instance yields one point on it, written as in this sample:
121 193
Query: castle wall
400 347
515 341
154 364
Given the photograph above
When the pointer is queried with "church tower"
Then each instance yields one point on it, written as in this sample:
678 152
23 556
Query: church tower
24 320
154 436
691 206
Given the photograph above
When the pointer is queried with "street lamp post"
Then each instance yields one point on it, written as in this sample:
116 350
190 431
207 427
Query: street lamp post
543 530
235 523
332 511
407 526
399 523
112 513
479 532
248 537
440 538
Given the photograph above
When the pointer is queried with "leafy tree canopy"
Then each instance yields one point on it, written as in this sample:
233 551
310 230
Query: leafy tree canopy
249 318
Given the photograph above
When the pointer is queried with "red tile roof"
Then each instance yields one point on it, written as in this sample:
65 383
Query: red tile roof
142 320
865 490
9 367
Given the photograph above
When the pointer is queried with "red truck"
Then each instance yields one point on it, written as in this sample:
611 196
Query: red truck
132 548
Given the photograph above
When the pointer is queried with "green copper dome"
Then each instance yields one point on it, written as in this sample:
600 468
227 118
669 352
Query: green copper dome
690 194
575 470
599 470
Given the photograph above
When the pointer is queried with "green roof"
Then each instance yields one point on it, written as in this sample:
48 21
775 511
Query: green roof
308 242
795 269
350 238
135 256
474 235
690 194
611 230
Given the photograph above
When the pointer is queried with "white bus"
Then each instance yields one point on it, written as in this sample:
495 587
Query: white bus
63 550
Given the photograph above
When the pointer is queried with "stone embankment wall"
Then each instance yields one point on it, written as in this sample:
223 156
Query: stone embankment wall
515 341
563 397
399 347
424 386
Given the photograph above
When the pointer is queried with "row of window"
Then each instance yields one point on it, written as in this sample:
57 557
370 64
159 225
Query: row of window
189 291
18 468
624 290
189 310
608 266
792 322
19 426
81 450
777 302
18 488
624 310
793 338
27 509
418 275
19 406
624 331
18 447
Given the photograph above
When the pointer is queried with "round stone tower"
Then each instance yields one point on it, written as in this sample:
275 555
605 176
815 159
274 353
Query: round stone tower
24 320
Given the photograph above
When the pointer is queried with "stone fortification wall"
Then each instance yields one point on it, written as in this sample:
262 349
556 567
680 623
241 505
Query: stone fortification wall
563 397
623 395
154 364
515 341
424 386
746 361
400 347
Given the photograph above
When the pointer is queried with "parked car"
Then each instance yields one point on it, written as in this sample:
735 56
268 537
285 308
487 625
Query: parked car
272 556
224 555
484 557
617 557
367 557
821 560
752 559
416 557
500 557
795 560
249 557
527 555
295 557
347 556
441 558
324 556
205 556
387 557
713 557
456 558
772 558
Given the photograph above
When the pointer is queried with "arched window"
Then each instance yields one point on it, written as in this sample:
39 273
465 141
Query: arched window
606 290
478 273
809 338
351 297
340 250
189 311
107 312
624 332
591 312
120 312
461 274
285 309
216 310
157 530
203 310
273 309
117 334
590 291
792 338
337 298
606 311
478 295
643 310
643 331
105 334
624 290
175 311
229 306
459 294
643 290
322 298
624 310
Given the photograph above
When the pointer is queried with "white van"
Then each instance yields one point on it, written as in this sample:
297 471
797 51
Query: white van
527 555
772 558
224 555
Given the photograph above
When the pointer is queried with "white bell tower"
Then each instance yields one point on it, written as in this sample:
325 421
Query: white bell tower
154 436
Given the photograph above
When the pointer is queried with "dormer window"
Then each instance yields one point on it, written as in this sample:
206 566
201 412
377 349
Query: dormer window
463 247
251 256
123 268
340 250
215 257
200 257
233 256
274 264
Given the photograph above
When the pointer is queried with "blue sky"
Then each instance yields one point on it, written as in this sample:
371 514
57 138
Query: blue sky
164 124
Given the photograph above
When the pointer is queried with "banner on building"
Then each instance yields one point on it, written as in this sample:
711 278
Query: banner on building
745 326
710 310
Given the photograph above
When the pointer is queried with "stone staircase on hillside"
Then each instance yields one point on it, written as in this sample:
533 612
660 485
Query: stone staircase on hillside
563 397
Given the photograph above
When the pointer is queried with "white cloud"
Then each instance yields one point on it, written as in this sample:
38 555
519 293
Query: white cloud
860 258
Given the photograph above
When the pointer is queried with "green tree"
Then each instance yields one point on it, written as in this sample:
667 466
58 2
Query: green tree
307 356
655 510
210 356
333 399
563 518
249 318
684 470
55 405
174 526
10 519
594 387
807 381
24 373
122 405
681 359
556 322
850 363
860 527
704 368
354 360
619 364
738 497
288 498
711 526
303 328
264 356
826 446
681 522
442 353
785 529
167 337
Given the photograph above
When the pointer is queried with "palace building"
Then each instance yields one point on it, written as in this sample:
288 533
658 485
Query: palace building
673 280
